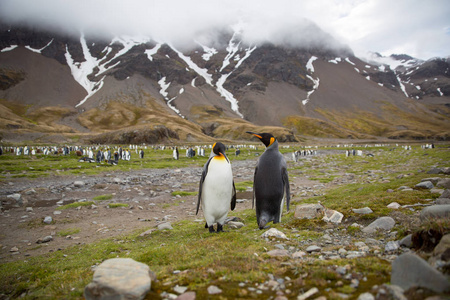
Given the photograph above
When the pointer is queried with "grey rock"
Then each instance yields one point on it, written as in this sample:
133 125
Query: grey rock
443 183
443 245
187 296
333 216
363 211
394 291
45 239
48 220
394 205
341 270
434 180
165 226
17 198
213 290
406 241
180 289
309 211
442 201
278 252
308 294
445 194
313 248
273 232
78 183
235 225
435 171
384 223
119 278
410 270
366 296
391 246
424 185
435 212
298 254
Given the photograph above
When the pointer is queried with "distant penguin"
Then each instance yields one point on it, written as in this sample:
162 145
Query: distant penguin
270 183
141 154
175 154
217 193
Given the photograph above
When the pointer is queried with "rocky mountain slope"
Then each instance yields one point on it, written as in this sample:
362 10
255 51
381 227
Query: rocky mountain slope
62 87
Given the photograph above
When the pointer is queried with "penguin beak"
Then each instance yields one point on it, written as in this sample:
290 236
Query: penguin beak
255 134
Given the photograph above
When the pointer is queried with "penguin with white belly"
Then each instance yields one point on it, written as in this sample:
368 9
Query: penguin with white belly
270 183
217 193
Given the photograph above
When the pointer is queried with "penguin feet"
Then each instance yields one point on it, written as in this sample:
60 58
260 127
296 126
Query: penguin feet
211 228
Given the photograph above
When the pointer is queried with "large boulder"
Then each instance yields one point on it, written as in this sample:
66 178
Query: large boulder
383 223
409 270
119 279
435 212
309 211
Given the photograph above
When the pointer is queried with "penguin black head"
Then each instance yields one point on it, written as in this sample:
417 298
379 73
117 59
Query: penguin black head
266 138
219 149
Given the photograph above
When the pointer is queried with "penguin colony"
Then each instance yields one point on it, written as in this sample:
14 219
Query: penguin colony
217 192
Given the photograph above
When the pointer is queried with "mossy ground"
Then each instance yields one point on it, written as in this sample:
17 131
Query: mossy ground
234 260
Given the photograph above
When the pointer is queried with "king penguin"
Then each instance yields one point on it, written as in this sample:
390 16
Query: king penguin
270 183
217 193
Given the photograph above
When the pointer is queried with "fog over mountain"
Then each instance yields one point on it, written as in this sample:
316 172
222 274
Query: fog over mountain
418 28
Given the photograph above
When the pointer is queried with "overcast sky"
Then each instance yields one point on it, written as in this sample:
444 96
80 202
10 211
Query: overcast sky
420 28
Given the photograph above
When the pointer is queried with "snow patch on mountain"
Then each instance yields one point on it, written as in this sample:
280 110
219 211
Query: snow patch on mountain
227 95
81 70
10 48
209 52
202 72
39 50
232 49
309 64
402 87
163 91
349 61
335 61
153 51
310 67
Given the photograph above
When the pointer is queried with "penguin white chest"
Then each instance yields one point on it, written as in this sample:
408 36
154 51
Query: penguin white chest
217 190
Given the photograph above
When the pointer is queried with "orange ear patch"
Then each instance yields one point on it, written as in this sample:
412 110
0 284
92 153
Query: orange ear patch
272 140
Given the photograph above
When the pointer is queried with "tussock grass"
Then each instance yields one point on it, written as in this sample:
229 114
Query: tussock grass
103 197
75 205
116 205
69 231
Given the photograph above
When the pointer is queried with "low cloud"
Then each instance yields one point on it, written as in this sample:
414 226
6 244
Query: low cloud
419 28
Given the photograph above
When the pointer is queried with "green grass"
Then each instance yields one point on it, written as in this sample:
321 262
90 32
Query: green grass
103 197
183 193
239 256
243 185
116 205
69 231
75 205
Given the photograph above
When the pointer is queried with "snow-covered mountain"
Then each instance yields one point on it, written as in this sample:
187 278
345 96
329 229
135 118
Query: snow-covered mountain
218 86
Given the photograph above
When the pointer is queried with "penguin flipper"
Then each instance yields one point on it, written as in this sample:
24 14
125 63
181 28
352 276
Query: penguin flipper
233 198
200 188
286 187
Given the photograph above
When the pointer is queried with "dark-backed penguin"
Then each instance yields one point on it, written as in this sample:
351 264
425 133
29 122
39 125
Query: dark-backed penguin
217 193
270 183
